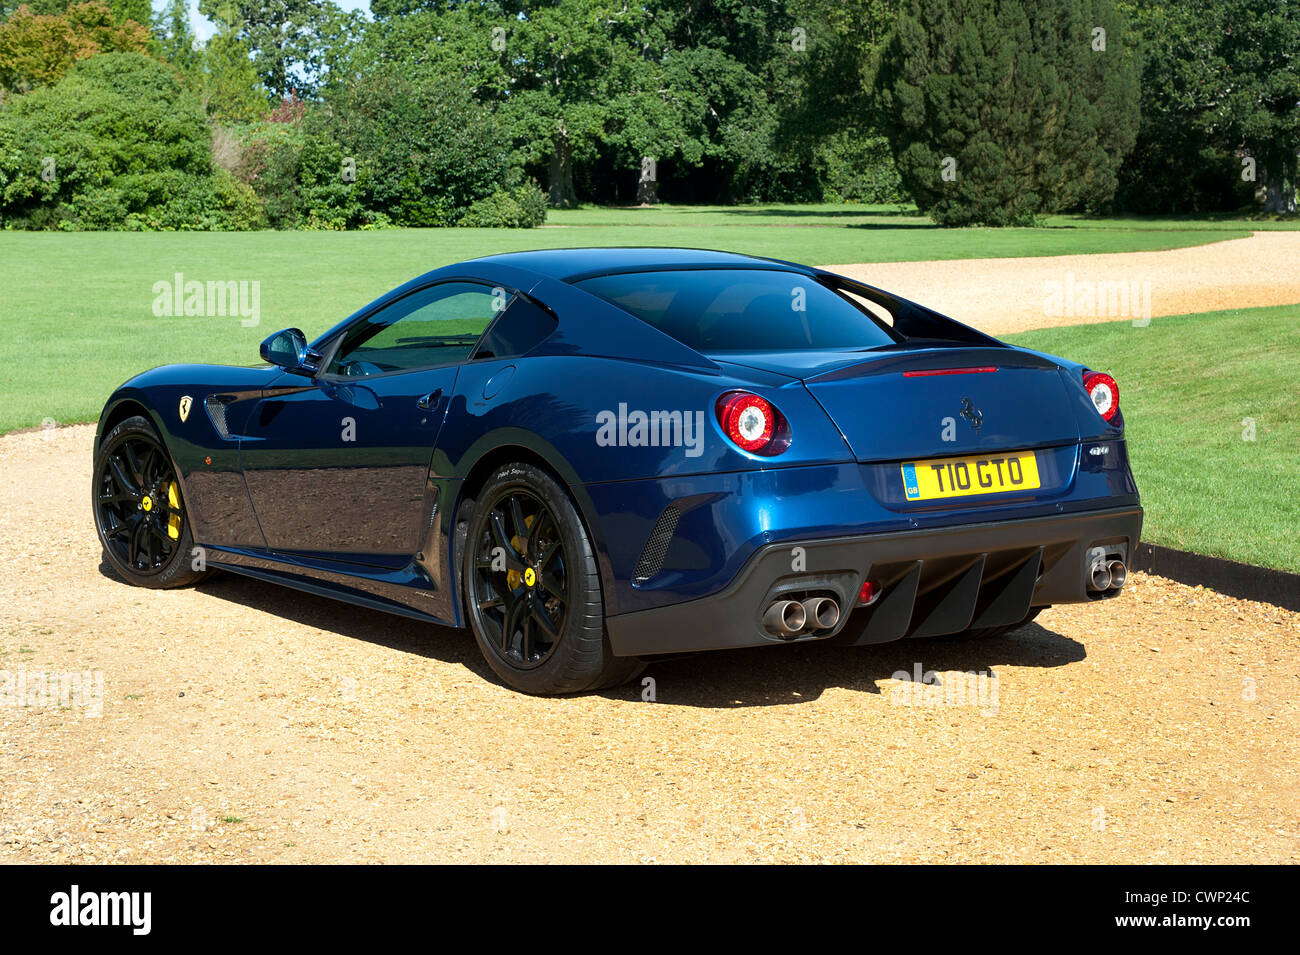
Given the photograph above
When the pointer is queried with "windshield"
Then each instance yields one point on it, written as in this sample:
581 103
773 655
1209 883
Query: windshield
741 310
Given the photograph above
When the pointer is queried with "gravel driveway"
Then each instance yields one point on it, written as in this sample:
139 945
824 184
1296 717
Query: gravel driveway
242 722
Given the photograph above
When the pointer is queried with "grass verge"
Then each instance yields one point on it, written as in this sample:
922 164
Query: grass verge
1213 425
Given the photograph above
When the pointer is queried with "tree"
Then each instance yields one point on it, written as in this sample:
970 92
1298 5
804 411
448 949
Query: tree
176 41
998 111
141 11
232 91
37 49
729 72
568 63
45 8
843 45
1261 43
836 116
1220 101
555 69
593 90
288 39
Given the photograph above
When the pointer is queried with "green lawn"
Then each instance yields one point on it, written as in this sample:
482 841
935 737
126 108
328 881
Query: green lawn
824 234
1187 385
76 312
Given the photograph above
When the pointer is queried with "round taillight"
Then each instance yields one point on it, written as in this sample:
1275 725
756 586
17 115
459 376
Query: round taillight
1104 393
752 423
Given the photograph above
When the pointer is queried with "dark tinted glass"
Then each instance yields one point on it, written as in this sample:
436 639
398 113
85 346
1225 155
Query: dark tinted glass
717 310
524 324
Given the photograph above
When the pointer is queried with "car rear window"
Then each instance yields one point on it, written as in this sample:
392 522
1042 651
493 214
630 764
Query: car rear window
741 310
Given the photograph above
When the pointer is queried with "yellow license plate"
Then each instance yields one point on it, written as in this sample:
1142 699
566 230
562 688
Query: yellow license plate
962 477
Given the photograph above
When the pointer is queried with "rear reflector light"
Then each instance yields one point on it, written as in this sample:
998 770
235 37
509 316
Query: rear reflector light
868 593
753 423
1104 393
981 370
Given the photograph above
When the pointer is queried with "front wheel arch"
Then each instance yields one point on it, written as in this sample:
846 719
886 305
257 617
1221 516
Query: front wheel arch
118 412
132 406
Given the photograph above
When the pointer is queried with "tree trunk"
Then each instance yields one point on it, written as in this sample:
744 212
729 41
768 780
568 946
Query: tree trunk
1279 190
647 187
560 187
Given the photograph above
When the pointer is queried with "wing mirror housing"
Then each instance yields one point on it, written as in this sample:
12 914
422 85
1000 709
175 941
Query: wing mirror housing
288 349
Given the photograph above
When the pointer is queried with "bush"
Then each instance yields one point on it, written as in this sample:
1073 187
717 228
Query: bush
302 178
520 207
116 143
235 205
859 169
389 150
268 161
424 150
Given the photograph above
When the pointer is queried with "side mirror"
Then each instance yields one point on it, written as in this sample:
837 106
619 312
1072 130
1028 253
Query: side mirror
288 349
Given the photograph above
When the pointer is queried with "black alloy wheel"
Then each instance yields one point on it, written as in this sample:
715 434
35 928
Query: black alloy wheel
520 578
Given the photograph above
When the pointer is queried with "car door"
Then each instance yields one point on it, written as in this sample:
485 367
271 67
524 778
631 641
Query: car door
337 465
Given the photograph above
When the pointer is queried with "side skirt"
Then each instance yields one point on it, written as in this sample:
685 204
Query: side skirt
364 589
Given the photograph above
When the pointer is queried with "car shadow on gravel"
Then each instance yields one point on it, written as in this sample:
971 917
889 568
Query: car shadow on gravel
762 676
348 620
788 675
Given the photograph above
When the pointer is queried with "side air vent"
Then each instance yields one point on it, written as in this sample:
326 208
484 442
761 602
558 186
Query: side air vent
216 407
656 546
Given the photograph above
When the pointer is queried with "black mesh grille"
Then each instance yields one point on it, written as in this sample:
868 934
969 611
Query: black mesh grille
656 545
216 406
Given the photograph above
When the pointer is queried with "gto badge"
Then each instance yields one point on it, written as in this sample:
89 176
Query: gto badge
186 401
971 413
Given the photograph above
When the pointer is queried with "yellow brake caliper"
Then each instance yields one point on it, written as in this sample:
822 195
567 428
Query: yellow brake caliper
174 504
513 576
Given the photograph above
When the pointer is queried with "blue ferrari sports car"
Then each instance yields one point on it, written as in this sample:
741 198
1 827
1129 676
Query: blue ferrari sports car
596 457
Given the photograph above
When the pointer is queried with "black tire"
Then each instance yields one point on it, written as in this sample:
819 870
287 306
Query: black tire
986 633
532 588
138 507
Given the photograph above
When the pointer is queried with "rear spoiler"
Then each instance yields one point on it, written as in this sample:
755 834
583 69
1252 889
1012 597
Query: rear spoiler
910 319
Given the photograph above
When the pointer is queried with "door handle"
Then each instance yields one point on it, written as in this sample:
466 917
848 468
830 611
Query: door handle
427 401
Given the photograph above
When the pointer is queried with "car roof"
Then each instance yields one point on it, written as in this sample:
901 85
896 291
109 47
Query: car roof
570 265
529 271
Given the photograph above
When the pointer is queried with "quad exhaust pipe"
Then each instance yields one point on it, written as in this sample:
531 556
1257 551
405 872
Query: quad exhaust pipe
1106 575
821 613
787 618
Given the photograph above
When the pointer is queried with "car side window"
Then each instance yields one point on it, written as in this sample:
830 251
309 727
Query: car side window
524 324
437 325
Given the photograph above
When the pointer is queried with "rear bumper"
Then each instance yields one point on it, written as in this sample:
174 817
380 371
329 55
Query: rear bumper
931 582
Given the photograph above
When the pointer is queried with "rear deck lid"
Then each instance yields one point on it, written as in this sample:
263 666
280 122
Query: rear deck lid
945 401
